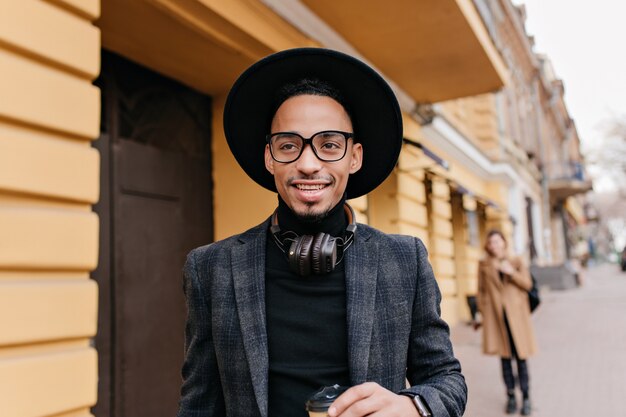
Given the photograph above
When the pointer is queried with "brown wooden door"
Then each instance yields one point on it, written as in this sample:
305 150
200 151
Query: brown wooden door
155 207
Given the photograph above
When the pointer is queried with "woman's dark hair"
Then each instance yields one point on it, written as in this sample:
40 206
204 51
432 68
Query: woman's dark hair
490 233
308 86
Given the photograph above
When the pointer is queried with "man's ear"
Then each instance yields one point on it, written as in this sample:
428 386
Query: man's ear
269 161
357 157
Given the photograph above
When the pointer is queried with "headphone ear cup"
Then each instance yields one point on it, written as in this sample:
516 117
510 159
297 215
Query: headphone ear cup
323 254
300 255
316 259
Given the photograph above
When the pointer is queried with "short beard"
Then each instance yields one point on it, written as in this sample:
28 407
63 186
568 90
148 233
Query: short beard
312 218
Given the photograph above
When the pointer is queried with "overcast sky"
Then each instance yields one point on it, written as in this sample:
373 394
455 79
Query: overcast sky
586 41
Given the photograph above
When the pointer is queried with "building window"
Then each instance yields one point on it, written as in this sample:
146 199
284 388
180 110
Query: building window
473 235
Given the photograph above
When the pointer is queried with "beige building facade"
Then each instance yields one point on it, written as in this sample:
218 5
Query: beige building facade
113 164
513 163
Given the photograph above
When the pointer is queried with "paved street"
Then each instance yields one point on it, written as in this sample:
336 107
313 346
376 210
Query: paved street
580 369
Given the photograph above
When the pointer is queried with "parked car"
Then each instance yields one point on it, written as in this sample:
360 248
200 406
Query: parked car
623 259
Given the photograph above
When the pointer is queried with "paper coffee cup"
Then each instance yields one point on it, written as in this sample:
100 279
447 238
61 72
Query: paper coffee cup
317 405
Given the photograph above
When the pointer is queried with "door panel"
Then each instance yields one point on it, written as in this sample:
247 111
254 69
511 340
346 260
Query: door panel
156 207
149 252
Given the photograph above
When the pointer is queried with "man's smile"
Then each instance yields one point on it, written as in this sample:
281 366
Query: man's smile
310 187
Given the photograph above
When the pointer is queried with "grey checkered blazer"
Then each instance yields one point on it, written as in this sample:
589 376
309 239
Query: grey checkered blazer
393 318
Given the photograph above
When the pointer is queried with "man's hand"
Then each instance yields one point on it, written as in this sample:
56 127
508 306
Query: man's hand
370 399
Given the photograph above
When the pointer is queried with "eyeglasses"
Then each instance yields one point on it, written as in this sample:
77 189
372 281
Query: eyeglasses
328 145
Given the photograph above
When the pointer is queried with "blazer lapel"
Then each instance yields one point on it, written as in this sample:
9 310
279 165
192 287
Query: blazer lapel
361 276
248 266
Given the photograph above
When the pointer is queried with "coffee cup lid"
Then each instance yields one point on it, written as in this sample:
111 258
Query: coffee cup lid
322 399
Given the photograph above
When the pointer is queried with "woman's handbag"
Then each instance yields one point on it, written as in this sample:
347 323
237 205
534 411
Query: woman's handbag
533 295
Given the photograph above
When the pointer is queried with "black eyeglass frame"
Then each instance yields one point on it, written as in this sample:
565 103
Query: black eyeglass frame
309 141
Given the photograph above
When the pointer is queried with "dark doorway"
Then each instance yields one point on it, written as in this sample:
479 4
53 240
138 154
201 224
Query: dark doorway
155 206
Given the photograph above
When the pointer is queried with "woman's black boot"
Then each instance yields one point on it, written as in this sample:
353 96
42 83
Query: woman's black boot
511 403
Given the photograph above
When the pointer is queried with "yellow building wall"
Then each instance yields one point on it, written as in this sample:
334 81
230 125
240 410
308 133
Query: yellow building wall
441 225
476 118
401 205
49 178
442 246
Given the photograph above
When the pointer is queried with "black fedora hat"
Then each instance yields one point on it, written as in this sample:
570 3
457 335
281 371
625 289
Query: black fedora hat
374 110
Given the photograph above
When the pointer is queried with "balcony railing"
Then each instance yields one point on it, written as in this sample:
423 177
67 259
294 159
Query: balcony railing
566 179
566 170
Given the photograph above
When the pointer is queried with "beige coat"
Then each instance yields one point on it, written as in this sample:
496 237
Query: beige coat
496 296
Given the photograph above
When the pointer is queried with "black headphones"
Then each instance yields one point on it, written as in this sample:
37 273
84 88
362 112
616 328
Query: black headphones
314 254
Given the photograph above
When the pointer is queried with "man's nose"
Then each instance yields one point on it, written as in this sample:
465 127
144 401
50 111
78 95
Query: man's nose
308 161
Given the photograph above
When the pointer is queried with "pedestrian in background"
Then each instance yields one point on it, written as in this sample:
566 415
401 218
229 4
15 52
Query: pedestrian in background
503 285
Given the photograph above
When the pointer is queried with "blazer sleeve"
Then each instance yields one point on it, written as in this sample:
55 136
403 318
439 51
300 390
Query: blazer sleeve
432 370
201 391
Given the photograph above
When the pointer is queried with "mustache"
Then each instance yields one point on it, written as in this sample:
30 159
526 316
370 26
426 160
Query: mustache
325 178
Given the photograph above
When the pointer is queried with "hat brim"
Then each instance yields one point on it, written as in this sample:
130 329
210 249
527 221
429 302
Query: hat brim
374 110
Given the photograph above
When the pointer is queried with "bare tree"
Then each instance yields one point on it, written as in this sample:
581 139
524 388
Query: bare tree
606 162
608 158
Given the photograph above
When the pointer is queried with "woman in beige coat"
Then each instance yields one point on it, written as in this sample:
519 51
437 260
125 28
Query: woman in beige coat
503 284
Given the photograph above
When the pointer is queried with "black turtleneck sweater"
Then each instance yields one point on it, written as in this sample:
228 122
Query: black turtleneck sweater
306 320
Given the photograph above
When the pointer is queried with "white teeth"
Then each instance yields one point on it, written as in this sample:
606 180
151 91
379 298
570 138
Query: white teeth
310 187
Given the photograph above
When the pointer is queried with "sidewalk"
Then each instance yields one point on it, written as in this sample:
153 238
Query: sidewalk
580 369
